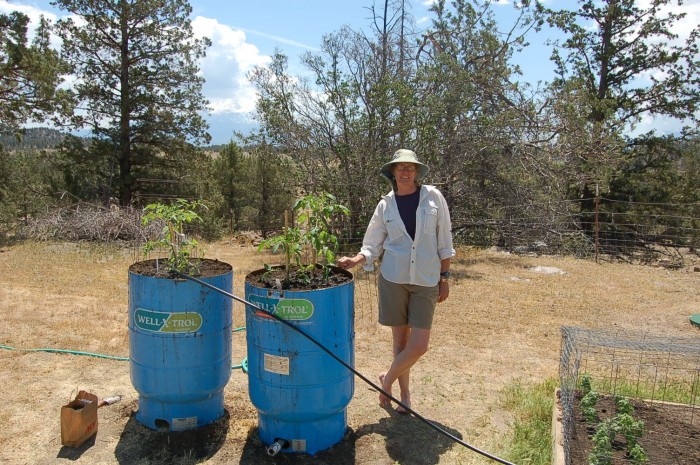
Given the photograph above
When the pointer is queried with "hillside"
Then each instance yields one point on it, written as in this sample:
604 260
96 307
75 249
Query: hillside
48 138
32 139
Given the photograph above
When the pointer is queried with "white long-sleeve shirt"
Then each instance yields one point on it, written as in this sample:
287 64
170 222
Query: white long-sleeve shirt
406 260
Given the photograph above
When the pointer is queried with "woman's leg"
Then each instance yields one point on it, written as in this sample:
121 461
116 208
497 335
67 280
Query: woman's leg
409 346
399 340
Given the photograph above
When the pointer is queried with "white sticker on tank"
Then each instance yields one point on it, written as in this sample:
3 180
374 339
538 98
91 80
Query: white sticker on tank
183 424
299 445
275 364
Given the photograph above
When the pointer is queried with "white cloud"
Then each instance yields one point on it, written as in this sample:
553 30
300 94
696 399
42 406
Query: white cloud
228 60
226 65
34 14
31 11
661 125
282 40
683 27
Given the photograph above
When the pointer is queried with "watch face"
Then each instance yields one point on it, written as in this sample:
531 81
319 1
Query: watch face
445 274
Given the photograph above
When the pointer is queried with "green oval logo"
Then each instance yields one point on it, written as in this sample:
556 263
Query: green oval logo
162 322
287 309
295 309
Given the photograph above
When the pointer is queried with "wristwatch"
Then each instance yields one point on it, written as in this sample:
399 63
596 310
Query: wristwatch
444 275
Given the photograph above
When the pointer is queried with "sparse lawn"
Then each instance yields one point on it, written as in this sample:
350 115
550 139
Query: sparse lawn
495 339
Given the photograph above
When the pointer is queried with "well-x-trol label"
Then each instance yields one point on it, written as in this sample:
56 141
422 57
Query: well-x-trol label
287 309
163 322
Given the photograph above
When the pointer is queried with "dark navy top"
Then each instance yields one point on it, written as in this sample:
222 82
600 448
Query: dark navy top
408 205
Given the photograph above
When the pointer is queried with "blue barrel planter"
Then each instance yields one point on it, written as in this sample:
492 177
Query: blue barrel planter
301 393
179 347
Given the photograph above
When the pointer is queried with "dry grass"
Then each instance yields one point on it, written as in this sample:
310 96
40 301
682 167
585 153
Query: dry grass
500 324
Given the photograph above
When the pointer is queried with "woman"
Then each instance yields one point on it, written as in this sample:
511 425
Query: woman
411 227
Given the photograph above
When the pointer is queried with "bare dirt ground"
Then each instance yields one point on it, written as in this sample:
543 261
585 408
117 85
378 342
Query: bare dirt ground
500 325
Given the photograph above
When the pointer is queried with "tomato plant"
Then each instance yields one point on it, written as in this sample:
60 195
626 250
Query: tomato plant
173 237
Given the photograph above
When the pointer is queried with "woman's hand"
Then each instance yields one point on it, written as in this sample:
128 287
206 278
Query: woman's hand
348 262
444 290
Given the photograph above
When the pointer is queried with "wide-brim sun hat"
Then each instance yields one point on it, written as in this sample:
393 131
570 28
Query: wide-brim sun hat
404 156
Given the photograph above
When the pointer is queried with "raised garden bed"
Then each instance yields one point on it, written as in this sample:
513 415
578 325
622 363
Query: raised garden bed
671 433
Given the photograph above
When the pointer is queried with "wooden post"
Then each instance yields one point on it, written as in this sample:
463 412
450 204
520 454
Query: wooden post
313 249
286 233
597 208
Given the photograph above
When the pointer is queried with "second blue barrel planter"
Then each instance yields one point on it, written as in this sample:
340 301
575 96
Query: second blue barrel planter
179 346
301 393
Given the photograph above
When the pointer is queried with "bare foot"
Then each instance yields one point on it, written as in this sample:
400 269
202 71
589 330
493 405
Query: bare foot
407 402
384 401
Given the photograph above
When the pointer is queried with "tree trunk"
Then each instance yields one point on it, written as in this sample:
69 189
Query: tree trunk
126 186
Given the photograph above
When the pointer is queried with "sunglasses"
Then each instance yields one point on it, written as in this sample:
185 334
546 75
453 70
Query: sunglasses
405 167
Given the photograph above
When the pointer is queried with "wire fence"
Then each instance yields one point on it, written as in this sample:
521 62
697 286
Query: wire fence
652 369
366 297
651 233
666 234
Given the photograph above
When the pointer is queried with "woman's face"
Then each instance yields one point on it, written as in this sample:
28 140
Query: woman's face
405 174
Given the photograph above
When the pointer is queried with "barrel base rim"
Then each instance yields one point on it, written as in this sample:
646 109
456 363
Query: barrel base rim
317 435
164 416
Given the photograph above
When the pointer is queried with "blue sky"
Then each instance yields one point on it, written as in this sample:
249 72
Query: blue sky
245 33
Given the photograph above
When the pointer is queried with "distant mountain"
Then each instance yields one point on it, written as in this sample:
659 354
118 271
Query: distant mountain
222 127
33 139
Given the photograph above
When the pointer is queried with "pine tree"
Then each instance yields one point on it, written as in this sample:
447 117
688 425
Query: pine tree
138 85
30 73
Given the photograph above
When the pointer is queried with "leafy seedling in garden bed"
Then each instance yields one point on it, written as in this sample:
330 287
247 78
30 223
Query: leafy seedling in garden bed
586 383
621 424
588 404
602 452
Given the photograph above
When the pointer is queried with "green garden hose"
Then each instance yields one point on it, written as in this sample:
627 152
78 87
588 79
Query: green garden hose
243 365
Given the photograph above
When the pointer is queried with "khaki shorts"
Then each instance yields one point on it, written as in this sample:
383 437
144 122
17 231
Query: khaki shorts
406 304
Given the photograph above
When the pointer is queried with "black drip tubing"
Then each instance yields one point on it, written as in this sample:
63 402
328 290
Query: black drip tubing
352 369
